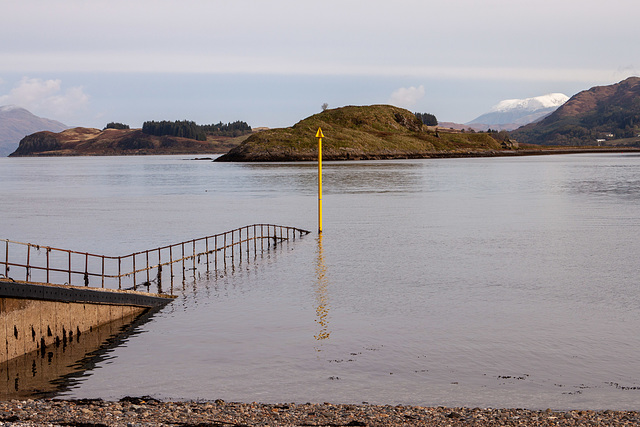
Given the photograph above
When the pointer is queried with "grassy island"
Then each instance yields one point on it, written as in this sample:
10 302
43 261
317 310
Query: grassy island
365 133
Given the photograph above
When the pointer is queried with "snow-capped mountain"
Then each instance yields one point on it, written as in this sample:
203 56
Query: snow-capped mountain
16 123
512 113
531 104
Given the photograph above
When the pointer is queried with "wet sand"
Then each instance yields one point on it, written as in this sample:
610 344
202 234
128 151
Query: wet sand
150 412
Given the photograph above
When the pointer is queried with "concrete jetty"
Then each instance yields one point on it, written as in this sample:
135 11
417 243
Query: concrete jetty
34 317
44 374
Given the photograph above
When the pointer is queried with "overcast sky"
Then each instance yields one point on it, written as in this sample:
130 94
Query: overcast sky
272 63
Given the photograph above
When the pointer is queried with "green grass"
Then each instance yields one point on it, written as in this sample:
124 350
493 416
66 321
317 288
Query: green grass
377 131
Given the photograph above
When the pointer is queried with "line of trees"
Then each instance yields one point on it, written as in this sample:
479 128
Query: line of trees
115 125
427 119
180 128
502 135
191 130
236 128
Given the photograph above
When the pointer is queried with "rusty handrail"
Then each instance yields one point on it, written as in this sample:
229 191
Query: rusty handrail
238 242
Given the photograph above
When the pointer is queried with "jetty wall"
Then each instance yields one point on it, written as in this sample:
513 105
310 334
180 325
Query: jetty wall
38 316
42 374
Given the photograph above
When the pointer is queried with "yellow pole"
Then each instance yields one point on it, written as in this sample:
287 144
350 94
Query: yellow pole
319 135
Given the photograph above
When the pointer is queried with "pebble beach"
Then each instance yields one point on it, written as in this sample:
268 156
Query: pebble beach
145 411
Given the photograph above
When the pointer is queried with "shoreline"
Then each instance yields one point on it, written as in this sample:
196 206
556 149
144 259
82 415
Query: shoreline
281 157
147 411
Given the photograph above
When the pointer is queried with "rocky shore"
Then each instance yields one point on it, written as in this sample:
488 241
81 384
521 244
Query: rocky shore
147 411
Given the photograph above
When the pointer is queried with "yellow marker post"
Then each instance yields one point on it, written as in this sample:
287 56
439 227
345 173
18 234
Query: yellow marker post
319 135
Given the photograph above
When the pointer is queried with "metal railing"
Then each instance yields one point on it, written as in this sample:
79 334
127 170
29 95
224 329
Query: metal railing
37 263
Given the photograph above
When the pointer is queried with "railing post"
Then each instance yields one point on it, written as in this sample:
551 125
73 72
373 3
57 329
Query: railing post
28 255
206 249
194 258
102 271
248 248
215 254
48 250
69 252
134 271
86 269
119 272
233 246
171 262
182 245
6 260
159 277
147 253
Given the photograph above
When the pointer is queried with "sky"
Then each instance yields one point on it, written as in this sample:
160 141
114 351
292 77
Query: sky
273 63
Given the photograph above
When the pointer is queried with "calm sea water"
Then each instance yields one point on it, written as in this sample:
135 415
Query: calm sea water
510 282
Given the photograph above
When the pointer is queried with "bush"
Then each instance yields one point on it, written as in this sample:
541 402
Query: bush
427 119
114 125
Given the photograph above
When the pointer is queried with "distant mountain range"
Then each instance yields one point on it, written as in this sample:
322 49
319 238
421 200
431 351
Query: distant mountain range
16 123
510 114
602 115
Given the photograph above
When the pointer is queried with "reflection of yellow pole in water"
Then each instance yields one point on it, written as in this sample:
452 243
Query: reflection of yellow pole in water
322 310
319 135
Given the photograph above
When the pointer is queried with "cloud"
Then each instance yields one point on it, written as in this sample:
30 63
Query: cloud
46 97
407 96
169 62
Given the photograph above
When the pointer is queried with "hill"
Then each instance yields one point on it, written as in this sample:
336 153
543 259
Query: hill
16 123
510 114
602 115
364 132
110 142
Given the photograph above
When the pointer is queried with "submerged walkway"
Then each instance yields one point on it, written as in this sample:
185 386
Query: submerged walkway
31 263
54 299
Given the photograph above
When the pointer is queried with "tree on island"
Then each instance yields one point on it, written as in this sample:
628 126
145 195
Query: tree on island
114 125
182 129
502 135
427 119
237 128
191 130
